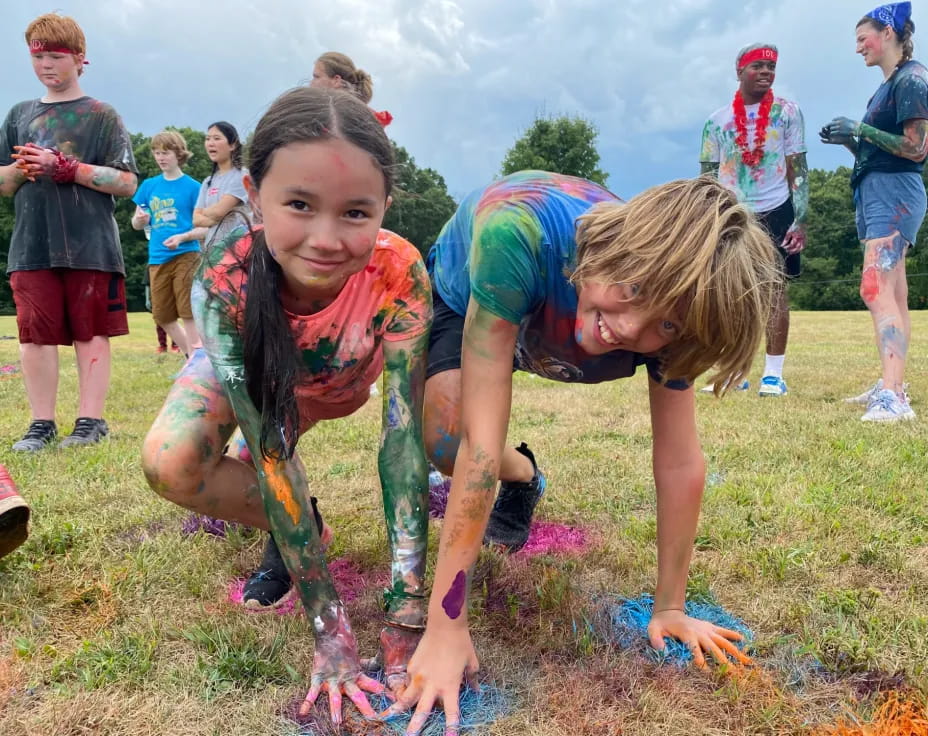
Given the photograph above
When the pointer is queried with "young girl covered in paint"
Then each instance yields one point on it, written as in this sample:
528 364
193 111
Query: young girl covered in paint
554 275
296 317
222 204
889 146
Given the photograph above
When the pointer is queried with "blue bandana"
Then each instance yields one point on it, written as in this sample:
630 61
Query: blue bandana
893 15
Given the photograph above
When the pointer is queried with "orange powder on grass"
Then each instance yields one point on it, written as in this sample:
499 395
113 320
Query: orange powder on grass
897 716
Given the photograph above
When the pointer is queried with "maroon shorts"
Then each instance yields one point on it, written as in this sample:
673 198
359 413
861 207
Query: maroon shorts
59 306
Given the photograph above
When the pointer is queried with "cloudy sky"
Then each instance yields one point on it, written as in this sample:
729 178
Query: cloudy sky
464 78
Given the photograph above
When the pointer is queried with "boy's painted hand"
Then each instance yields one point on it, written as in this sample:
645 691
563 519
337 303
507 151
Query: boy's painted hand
435 671
699 636
795 240
35 161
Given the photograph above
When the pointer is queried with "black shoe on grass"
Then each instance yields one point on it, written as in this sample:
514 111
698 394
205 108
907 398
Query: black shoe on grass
512 513
41 433
87 431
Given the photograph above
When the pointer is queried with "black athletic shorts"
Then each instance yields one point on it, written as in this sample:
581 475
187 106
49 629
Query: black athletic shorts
446 337
777 223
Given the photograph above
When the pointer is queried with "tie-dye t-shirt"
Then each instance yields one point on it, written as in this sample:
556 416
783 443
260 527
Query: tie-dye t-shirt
66 225
511 247
763 187
341 345
904 96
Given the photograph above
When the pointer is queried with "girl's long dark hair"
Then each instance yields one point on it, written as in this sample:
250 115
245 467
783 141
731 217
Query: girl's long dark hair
273 365
231 135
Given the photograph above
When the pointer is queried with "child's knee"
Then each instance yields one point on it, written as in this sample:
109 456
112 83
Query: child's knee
172 467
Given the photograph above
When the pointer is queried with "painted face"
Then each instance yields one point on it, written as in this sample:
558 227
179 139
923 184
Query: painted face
757 77
322 204
166 159
871 43
322 80
56 70
609 317
217 146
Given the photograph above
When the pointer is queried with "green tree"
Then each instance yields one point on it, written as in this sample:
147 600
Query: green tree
421 203
565 145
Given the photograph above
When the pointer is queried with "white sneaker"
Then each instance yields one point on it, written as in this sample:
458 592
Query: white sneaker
740 386
888 406
864 398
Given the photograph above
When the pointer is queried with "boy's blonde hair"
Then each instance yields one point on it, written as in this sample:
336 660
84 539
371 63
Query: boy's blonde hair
357 80
57 30
692 250
171 140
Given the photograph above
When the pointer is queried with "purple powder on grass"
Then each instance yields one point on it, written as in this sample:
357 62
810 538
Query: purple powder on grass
439 488
198 522
549 538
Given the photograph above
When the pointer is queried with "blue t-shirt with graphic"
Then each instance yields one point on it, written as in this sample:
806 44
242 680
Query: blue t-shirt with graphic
904 96
512 247
170 205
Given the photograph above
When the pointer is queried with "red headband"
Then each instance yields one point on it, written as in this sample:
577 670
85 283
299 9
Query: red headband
44 47
764 54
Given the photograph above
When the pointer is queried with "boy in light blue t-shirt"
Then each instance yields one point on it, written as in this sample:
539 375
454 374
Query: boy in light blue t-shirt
165 205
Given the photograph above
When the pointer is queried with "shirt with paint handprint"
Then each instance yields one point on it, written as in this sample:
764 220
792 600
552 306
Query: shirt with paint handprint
904 96
763 187
341 345
511 246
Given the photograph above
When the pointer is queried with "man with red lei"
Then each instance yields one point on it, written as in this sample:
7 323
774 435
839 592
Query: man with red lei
756 147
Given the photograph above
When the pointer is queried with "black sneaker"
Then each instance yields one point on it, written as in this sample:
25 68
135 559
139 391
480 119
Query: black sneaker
512 513
41 433
87 431
270 586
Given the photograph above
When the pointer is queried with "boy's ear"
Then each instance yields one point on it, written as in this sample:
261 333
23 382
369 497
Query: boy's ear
389 202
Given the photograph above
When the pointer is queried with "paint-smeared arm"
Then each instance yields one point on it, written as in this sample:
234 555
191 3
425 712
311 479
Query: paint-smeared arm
679 477
212 215
285 493
36 161
446 653
11 179
797 173
404 479
709 167
912 144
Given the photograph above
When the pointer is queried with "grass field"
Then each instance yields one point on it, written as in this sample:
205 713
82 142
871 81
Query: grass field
814 531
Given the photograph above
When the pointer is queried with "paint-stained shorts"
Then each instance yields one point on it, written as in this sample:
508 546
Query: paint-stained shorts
888 202
58 306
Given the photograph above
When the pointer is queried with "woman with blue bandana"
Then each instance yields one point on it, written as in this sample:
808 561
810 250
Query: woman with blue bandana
890 146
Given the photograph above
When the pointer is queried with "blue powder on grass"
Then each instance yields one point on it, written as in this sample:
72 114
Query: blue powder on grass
478 709
627 622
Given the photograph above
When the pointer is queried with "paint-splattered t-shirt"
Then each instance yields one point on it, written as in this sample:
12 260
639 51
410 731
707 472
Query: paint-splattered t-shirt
512 247
341 345
904 96
66 225
763 187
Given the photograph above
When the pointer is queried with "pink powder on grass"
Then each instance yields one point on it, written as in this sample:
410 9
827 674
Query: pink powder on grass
549 538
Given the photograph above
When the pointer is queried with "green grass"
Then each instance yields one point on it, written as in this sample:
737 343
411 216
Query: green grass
814 530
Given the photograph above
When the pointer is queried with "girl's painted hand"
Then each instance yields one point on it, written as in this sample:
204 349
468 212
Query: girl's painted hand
397 645
442 659
337 670
699 636
839 130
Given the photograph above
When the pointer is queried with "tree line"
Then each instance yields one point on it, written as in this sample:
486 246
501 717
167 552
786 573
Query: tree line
422 204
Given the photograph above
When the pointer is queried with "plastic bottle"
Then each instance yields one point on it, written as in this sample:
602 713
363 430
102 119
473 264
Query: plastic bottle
147 228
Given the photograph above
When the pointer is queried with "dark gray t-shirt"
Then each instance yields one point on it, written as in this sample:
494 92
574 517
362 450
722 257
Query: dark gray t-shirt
66 225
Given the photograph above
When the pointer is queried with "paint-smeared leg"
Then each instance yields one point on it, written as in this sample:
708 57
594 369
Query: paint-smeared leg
93 375
443 430
182 454
778 324
878 287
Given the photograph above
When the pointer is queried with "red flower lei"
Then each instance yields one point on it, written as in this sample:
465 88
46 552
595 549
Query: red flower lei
752 157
